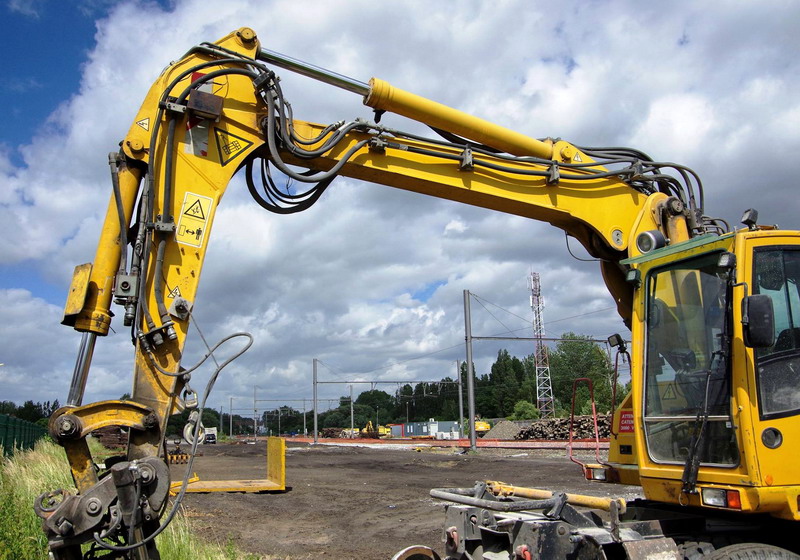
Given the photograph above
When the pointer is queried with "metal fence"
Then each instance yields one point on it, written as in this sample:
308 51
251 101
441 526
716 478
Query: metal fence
18 434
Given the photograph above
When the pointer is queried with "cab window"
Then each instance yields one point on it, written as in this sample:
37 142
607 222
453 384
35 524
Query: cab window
776 272
686 359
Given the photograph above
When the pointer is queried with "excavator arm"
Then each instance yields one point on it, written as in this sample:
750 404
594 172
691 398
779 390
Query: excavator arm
220 109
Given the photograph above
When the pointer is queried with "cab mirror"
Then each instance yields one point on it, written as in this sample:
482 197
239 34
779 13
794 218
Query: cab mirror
758 321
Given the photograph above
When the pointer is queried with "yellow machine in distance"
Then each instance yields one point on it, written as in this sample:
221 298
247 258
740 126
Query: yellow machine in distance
709 431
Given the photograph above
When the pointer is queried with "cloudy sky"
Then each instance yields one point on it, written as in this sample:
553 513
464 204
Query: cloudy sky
370 280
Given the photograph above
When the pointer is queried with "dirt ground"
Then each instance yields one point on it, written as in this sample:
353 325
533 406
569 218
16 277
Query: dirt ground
359 502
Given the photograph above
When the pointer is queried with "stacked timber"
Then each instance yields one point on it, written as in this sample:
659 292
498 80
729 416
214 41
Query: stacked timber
331 432
558 428
111 437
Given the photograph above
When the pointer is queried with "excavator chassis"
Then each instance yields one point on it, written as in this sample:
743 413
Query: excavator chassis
483 526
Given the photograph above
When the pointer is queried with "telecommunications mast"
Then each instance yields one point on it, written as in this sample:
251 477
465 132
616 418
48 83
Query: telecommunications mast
544 389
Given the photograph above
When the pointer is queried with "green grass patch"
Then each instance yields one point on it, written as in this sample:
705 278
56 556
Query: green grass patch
27 474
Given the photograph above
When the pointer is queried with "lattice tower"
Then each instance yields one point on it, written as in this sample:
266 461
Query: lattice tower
544 388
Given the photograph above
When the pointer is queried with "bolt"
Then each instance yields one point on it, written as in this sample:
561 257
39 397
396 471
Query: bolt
562 530
63 527
675 206
246 35
568 152
135 145
68 426
93 506
125 285
150 421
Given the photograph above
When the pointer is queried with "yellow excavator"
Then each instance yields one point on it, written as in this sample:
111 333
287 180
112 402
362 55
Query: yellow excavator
371 431
710 430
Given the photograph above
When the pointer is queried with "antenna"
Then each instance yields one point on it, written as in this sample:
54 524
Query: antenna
544 389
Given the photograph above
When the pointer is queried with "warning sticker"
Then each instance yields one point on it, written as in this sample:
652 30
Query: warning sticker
193 219
229 145
144 123
174 293
669 394
625 421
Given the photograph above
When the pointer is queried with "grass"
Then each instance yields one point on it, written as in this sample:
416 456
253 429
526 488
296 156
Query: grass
27 474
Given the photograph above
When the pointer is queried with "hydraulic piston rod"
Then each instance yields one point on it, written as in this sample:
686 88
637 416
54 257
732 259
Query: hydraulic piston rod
312 71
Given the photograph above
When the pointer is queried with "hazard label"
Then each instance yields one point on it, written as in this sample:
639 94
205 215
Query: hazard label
193 220
229 145
625 421
174 293
669 394
144 123
196 210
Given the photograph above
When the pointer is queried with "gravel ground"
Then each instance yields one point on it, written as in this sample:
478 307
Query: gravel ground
352 501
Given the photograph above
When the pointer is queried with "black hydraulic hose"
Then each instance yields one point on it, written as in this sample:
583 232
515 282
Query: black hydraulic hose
158 286
147 318
291 206
512 170
287 130
275 158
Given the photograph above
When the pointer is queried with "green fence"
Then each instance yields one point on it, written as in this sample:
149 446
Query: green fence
16 433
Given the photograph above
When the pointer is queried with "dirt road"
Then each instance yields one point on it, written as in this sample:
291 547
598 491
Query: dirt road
356 502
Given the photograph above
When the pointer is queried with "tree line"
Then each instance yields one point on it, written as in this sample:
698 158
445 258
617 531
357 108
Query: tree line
507 390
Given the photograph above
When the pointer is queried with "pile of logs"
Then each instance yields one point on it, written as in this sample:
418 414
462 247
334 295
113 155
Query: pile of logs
331 432
558 428
111 437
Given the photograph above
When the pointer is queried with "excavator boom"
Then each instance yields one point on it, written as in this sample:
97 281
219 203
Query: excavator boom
692 293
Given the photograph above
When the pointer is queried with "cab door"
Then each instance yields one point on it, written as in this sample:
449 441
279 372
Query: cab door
774 270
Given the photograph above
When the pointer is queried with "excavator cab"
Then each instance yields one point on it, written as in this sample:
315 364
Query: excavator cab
719 365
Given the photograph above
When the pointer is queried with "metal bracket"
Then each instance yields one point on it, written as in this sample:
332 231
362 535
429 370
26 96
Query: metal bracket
181 308
554 175
467 162
171 107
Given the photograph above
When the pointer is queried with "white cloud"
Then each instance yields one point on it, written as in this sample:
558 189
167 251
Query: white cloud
27 8
338 282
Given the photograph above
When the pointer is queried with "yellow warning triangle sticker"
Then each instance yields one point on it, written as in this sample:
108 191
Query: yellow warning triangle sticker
669 394
195 211
144 123
176 292
229 145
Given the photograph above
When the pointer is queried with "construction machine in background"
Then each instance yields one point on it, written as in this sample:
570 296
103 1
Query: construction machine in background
369 431
709 431
481 427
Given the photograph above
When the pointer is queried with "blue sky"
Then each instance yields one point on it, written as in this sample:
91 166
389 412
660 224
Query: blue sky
54 40
370 279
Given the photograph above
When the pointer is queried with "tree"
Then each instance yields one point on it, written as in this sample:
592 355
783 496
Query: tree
577 356
177 422
506 375
524 410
